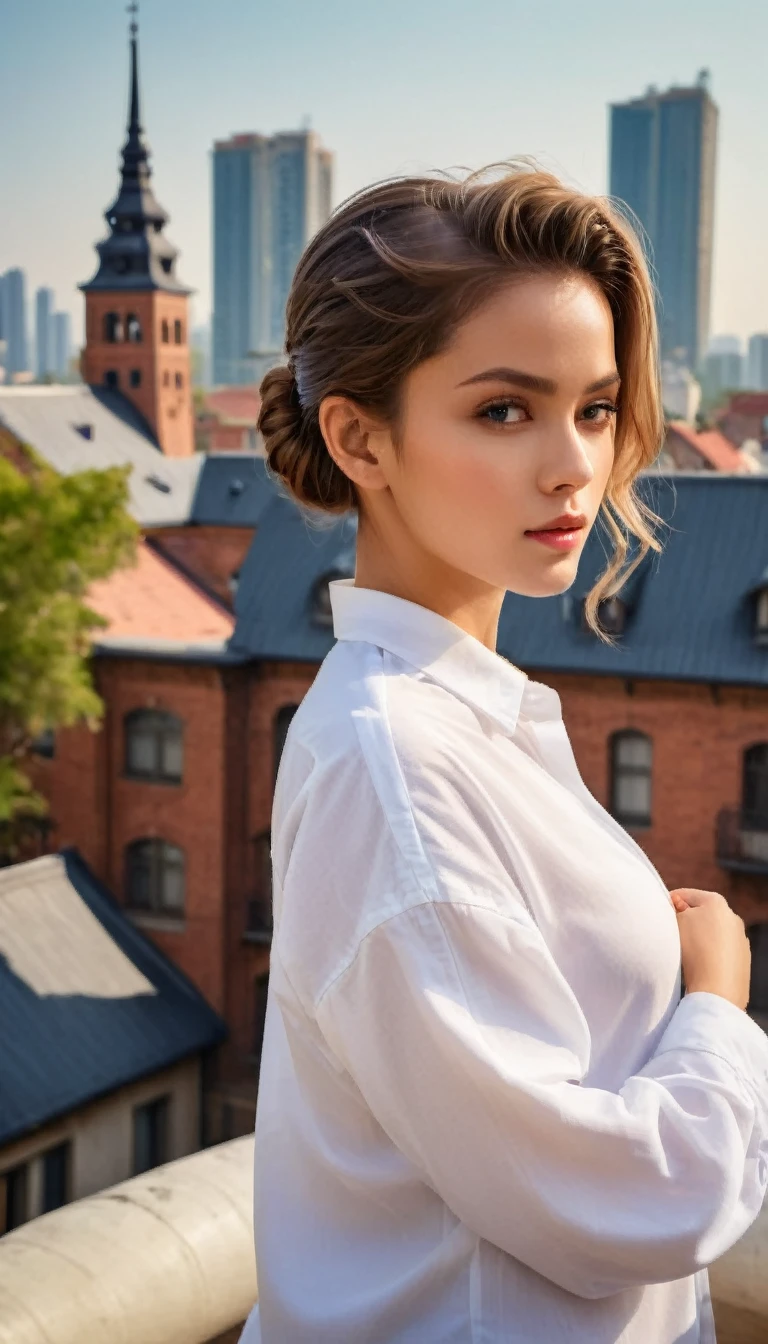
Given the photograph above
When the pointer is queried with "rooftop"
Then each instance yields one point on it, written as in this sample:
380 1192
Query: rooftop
153 600
94 1004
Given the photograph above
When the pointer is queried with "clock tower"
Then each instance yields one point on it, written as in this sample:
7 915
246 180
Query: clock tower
136 308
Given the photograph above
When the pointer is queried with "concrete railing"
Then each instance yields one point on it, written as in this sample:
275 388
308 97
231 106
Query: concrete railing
165 1258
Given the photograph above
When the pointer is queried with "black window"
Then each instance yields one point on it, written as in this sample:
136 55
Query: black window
761 615
150 1135
179 380
611 616
111 378
321 600
259 913
14 1205
165 332
155 877
631 763
56 1177
755 787
45 743
260 991
135 378
133 327
177 334
165 262
113 327
282 722
154 746
758 983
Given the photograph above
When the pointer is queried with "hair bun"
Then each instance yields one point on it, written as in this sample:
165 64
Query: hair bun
295 447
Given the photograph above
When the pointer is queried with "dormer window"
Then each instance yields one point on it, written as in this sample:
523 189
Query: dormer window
321 598
611 615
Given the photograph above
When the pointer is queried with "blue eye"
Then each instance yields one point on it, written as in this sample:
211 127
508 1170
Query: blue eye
499 413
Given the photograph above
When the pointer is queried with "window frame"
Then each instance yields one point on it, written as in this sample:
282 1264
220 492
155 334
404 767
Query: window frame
168 731
619 771
62 1152
113 331
157 856
754 786
156 1113
14 1178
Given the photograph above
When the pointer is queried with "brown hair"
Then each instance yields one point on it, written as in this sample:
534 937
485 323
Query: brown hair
398 266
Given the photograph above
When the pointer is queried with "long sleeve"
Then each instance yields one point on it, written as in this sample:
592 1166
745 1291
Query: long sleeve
470 1050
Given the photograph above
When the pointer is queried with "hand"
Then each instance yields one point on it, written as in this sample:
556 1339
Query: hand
716 955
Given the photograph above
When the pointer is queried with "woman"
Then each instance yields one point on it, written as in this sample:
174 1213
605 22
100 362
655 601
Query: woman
485 1113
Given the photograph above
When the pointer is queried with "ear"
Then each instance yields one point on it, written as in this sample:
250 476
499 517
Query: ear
355 440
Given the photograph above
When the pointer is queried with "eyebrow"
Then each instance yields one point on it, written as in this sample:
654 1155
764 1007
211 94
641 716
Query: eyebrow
532 382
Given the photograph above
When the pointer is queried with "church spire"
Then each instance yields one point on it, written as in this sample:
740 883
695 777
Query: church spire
136 255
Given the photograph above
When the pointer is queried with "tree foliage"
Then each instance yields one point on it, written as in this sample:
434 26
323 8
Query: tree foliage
57 535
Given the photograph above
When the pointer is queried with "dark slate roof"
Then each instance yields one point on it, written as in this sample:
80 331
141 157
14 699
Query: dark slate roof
290 552
233 490
88 1003
690 608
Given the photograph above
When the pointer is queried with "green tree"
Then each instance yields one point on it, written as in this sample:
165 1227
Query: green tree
57 535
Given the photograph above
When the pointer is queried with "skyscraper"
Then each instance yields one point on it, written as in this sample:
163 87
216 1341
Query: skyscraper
270 194
662 164
757 362
61 344
14 321
43 332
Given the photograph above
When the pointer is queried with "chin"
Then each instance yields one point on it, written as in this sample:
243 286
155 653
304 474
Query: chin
557 579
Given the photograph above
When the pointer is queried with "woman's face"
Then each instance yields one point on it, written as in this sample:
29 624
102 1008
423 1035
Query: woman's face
508 428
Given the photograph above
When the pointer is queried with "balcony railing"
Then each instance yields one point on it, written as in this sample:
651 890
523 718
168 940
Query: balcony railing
167 1258
742 840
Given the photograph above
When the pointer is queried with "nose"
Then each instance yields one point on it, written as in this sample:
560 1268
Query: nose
566 462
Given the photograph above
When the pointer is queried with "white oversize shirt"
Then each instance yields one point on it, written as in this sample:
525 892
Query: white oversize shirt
485 1114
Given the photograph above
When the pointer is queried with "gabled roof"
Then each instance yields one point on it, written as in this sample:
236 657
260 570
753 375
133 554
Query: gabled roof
153 600
75 427
88 1002
714 447
691 608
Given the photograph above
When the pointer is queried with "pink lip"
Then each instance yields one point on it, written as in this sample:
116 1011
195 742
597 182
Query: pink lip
559 538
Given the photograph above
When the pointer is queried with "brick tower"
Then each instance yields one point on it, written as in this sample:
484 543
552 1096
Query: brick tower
136 310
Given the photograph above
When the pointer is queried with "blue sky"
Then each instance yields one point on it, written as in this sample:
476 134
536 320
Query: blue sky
392 86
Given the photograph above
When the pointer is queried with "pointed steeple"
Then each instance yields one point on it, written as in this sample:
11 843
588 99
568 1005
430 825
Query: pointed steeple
136 255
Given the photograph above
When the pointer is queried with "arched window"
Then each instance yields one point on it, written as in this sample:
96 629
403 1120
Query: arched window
259 913
133 328
281 725
165 335
177 332
179 380
154 877
754 790
166 379
154 746
758 982
111 378
113 327
631 762
611 615
135 378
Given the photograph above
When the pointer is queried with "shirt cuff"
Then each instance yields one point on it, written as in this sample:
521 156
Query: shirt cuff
704 1021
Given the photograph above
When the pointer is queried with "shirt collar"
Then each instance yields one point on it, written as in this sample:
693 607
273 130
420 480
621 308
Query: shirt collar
437 646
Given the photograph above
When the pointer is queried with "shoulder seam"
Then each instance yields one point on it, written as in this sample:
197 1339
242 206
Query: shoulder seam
437 907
